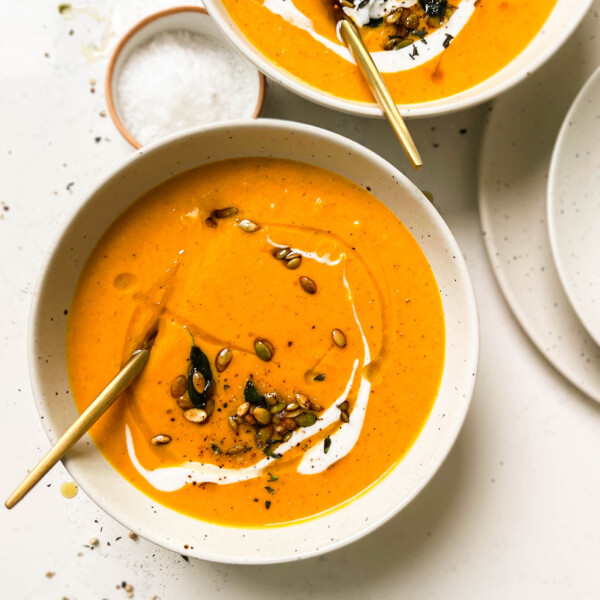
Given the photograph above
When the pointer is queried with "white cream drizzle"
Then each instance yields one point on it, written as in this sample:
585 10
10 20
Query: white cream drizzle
170 479
390 61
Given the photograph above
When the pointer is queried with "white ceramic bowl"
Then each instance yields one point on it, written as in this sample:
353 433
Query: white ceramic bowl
565 16
154 164
179 18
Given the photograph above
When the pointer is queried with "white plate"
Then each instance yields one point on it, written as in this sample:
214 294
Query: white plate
514 163
144 170
574 205
563 19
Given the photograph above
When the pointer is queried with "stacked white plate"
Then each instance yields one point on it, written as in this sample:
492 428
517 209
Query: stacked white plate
539 194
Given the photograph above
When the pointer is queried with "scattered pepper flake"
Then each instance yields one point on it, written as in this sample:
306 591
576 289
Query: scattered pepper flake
267 504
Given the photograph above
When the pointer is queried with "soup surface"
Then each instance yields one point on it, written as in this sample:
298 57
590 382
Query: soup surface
300 341
424 56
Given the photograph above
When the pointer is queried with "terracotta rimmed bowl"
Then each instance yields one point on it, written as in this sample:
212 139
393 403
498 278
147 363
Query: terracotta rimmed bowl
563 20
189 18
147 168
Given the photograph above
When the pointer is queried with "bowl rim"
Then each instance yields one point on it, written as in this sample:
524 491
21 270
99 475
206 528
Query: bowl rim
471 353
109 94
409 111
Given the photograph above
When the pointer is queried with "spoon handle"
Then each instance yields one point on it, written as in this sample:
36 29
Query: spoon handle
87 418
352 39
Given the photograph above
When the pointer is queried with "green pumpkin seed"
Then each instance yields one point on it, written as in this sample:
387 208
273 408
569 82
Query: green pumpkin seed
179 386
287 436
345 417
277 407
223 359
344 406
225 213
264 435
316 407
339 338
403 44
308 285
233 424
264 349
160 440
306 419
250 419
292 406
293 263
235 450
293 413
319 377
281 253
199 382
271 398
249 226
184 402
262 415
289 424
210 222
209 407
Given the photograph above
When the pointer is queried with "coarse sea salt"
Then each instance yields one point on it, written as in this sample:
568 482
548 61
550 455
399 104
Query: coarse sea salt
180 79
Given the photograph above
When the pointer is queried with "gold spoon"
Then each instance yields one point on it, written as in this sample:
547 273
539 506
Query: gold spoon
372 76
88 417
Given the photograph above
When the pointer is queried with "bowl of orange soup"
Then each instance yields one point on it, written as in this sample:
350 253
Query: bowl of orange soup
316 348
436 56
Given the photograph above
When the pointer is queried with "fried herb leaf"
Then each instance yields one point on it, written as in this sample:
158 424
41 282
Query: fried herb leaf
434 8
251 394
199 363
268 449
269 489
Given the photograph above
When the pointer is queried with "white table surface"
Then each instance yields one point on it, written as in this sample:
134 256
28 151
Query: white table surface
513 513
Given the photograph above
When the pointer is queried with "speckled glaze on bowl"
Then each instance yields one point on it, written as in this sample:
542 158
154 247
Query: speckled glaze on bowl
144 170
564 18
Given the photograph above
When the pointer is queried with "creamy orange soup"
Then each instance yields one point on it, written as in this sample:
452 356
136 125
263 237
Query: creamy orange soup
300 341
428 58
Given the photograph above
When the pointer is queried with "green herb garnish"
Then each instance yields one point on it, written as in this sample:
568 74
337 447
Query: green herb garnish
216 449
434 8
267 504
269 489
199 363
273 477
373 23
326 444
251 394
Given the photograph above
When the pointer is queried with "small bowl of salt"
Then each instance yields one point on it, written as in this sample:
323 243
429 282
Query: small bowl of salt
173 71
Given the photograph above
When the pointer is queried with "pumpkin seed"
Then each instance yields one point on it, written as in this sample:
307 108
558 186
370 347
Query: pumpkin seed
223 359
293 263
250 419
319 377
233 424
262 415
345 417
196 415
289 424
210 222
235 450
347 4
160 440
271 398
179 386
292 406
280 429
306 419
243 409
264 349
184 402
277 407
249 226
403 44
264 435
225 213
308 285
198 381
281 253
303 401
393 17
287 436
293 414
339 339
344 406
316 407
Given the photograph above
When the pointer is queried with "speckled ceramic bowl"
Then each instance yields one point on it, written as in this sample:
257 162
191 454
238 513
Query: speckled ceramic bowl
565 16
144 170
